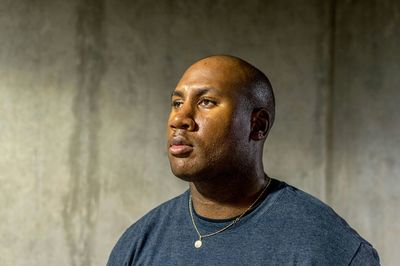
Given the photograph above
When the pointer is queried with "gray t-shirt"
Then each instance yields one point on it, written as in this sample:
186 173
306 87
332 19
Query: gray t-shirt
288 227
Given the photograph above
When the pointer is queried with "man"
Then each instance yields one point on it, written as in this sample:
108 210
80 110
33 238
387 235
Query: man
233 213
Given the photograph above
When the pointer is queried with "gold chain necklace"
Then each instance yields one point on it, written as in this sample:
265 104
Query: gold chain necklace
198 243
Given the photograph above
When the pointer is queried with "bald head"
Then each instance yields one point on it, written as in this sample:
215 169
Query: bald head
250 83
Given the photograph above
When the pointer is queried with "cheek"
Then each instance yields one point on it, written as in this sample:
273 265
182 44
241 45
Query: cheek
225 135
215 129
217 137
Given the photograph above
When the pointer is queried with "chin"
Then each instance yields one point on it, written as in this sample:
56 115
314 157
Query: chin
182 174
188 170
188 174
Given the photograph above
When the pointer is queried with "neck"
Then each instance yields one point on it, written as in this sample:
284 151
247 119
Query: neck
227 196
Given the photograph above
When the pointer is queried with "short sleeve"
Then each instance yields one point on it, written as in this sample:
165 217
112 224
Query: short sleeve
366 255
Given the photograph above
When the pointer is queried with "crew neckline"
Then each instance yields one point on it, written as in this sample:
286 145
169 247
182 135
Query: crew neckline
275 186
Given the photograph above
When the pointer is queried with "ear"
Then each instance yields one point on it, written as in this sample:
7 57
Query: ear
260 123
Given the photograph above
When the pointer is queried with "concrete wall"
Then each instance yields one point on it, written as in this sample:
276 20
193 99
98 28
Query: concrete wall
364 181
84 96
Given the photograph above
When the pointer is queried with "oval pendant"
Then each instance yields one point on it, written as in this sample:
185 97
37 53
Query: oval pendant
198 244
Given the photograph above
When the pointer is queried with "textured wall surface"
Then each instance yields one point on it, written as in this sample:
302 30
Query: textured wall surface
364 185
84 97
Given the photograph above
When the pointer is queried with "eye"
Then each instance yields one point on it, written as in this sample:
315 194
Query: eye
177 104
207 103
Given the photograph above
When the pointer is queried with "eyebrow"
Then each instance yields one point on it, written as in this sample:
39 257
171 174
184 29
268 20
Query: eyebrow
176 93
199 92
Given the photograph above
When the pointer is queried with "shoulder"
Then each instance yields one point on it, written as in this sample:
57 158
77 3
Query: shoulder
160 213
318 229
137 233
312 211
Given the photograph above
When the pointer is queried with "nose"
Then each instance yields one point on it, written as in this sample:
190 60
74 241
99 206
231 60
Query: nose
182 118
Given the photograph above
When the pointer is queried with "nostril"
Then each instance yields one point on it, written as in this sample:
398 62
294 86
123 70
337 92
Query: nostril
185 126
182 122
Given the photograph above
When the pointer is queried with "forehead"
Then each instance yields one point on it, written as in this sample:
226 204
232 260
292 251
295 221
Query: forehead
220 77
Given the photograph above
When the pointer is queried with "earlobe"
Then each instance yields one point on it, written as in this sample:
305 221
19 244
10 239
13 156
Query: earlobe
258 135
259 124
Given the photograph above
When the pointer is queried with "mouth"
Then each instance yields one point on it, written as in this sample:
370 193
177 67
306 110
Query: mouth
180 147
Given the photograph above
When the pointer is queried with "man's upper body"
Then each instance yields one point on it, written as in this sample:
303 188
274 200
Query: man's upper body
233 213
288 227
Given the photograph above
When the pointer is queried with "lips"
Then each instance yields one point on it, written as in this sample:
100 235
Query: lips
180 146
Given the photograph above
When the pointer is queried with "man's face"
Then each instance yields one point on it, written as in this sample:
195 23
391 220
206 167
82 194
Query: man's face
208 129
